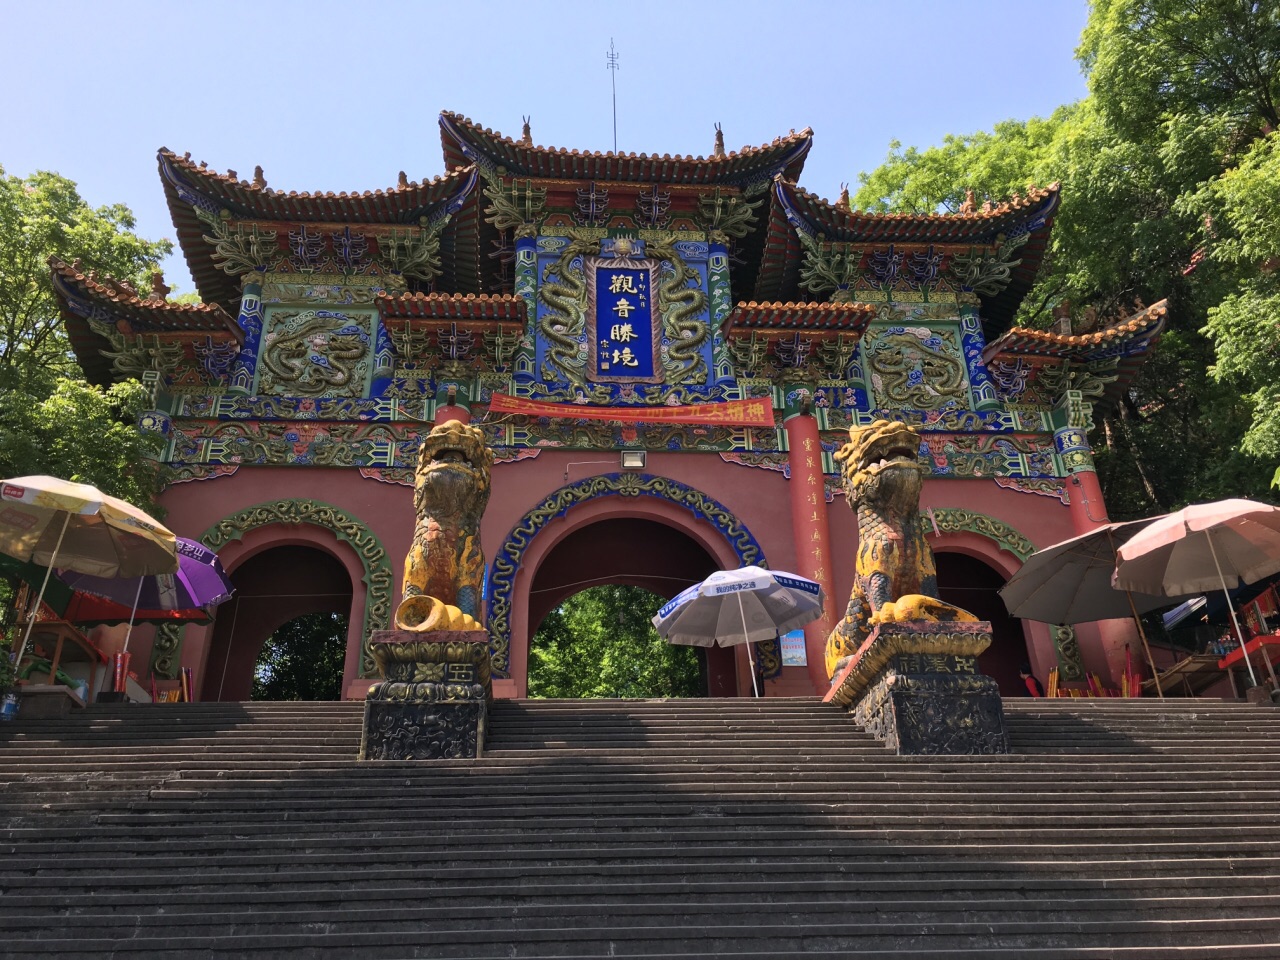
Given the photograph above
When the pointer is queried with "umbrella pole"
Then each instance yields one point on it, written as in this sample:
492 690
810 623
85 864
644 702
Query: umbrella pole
48 571
132 613
1155 674
1253 677
742 610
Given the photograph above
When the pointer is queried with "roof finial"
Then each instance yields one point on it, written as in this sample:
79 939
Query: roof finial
259 180
719 150
159 289
968 205
844 200
526 133
233 175
988 206
402 181
77 265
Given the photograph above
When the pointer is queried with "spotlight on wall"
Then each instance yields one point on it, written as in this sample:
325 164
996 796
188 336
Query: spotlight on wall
633 459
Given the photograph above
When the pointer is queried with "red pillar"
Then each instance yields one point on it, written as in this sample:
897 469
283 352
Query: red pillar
811 531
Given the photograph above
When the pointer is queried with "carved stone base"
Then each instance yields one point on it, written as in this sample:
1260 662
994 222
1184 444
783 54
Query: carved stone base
433 702
422 730
916 686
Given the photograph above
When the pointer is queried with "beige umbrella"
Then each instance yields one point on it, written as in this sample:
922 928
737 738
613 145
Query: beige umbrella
1203 547
73 526
1070 582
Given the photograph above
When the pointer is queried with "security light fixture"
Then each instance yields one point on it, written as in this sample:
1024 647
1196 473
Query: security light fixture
633 459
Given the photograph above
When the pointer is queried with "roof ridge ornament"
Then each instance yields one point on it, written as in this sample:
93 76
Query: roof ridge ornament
719 151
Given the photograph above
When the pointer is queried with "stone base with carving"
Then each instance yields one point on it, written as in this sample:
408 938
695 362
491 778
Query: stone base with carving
433 702
916 686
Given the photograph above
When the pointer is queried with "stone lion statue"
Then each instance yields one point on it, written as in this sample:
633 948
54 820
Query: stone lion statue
444 572
896 578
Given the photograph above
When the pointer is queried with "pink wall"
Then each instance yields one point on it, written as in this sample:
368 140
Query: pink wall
759 498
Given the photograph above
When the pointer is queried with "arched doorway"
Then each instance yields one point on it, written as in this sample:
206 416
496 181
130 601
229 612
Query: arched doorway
705 524
636 552
972 585
273 587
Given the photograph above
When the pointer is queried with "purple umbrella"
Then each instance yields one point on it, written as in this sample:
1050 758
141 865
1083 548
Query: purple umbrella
190 594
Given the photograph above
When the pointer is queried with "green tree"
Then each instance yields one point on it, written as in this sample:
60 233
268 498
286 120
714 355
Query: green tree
43 215
601 643
1137 160
303 659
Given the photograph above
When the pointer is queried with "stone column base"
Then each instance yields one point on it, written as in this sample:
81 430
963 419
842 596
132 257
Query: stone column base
433 704
916 686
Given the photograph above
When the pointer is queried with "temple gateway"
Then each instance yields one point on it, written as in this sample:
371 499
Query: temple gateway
663 354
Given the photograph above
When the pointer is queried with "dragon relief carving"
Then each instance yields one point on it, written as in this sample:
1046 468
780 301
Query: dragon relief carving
563 291
444 572
896 579
680 306
314 352
916 368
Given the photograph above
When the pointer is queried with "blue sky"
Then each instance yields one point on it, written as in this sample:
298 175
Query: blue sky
341 96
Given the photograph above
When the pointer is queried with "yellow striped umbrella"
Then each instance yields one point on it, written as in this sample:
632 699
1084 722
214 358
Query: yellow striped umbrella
73 526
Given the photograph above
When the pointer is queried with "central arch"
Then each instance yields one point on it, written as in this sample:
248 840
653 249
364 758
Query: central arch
633 552
660 501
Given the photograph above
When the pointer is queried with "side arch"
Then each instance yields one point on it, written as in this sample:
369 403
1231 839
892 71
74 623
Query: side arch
378 576
507 558
942 521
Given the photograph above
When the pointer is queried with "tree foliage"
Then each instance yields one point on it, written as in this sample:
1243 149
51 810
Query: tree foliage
601 643
1161 162
43 215
303 660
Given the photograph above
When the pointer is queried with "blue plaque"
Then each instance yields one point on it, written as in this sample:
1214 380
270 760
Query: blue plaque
623 335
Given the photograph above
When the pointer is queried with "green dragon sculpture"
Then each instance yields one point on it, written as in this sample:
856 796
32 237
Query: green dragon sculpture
679 305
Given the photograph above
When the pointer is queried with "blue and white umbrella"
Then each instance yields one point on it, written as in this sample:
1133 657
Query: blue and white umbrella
740 606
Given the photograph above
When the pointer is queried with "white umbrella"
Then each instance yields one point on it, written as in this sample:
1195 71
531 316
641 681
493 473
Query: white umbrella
1207 545
74 526
740 606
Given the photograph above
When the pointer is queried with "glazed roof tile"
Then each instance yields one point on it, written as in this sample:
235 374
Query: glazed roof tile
255 200
790 317
467 142
838 222
503 307
1128 337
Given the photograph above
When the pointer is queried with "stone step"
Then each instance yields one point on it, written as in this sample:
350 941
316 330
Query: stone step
449 918
767 936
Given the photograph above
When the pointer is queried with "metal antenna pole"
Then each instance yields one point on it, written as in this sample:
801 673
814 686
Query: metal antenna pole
612 64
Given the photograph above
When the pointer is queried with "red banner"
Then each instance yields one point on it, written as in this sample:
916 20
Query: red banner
733 413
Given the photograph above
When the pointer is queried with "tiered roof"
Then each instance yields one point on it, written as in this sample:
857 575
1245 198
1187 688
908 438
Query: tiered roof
1129 340
83 295
793 208
467 142
189 185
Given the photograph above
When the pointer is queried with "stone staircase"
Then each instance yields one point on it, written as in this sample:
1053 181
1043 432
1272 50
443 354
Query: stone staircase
689 828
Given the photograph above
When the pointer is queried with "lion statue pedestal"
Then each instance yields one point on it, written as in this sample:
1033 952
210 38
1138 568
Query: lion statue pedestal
433 701
433 704
905 662
916 686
